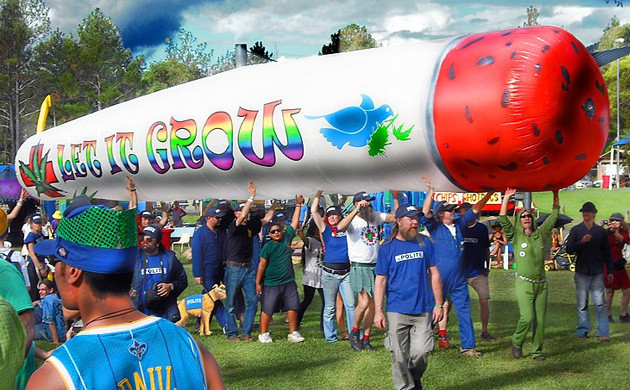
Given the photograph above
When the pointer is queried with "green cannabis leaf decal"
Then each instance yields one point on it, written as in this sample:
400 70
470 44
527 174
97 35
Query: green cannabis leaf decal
380 137
378 141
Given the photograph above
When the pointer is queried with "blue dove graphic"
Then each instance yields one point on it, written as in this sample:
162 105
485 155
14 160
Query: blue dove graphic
353 125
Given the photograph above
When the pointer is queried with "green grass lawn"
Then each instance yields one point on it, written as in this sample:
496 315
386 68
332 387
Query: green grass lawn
606 201
316 364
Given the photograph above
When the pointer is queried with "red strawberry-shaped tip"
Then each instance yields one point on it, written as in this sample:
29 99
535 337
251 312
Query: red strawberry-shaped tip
525 108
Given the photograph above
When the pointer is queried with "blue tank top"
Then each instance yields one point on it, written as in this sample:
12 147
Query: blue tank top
335 246
131 356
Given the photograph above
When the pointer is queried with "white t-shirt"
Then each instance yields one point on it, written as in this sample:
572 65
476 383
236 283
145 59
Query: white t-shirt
16 257
363 239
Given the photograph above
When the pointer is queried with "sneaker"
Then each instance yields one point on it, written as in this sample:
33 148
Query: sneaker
612 320
517 352
539 358
355 341
625 319
603 339
366 345
294 337
583 336
443 343
233 338
487 336
469 352
265 338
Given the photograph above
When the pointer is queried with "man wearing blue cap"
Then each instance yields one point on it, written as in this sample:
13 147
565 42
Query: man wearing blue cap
413 302
363 243
119 347
239 248
207 261
158 278
448 237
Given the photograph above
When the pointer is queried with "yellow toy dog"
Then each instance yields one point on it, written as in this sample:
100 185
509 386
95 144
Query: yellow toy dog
200 305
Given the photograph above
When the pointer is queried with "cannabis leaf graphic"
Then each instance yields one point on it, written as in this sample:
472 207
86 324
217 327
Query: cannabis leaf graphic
380 137
378 141
39 173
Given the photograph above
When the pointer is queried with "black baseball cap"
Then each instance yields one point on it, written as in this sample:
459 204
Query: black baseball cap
444 206
616 217
153 231
333 210
464 206
215 213
359 196
408 210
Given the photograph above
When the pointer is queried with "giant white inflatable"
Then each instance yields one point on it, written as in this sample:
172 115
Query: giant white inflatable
526 108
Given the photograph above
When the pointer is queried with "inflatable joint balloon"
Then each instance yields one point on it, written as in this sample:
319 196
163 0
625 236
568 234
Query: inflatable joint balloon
525 108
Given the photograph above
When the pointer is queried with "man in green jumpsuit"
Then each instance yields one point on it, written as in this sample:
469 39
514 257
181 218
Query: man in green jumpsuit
531 284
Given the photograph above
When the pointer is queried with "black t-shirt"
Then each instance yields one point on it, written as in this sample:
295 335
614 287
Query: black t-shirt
238 243
476 244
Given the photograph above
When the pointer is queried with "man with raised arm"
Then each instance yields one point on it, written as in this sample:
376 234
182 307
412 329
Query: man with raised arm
531 284
363 243
275 279
447 234
238 255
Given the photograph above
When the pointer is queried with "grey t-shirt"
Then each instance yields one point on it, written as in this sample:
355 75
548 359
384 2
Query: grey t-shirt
312 263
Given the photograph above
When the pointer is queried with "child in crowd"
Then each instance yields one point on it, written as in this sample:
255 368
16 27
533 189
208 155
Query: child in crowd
275 279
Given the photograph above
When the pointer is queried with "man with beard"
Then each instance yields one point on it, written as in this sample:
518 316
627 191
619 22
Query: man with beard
531 284
448 237
159 278
404 262
363 243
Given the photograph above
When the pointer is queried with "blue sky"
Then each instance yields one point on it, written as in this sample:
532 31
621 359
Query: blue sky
299 28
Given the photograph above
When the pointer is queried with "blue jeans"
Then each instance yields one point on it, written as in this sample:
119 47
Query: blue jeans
594 284
332 284
237 278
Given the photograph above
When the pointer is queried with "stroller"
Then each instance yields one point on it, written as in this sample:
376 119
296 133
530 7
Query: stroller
561 259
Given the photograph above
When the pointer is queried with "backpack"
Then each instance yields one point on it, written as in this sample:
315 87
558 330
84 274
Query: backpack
8 256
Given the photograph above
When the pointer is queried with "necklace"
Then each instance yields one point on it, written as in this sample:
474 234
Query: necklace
112 314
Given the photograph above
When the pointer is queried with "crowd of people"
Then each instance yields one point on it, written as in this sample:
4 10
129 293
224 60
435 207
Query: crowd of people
116 275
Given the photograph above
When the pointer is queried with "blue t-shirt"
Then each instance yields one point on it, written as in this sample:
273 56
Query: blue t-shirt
406 265
33 238
476 244
151 353
52 313
335 246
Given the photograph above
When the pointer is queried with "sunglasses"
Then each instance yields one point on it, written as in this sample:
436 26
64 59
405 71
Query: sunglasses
274 231
52 260
148 238
526 216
